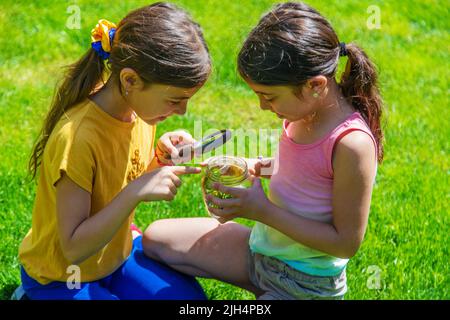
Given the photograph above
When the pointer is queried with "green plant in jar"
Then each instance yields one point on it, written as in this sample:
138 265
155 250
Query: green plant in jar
228 171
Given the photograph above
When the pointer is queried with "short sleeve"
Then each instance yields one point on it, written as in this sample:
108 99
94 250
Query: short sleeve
72 155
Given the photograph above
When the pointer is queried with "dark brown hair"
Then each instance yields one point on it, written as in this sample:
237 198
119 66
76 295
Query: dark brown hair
160 42
293 43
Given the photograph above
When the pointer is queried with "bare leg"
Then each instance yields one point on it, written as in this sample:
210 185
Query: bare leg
202 247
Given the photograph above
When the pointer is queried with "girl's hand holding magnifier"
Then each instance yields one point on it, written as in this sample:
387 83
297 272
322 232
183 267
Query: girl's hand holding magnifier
169 144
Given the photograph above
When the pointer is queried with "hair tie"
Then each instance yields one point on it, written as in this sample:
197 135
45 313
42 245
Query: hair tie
102 37
342 49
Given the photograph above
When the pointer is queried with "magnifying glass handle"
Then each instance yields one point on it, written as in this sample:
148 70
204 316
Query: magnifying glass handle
188 151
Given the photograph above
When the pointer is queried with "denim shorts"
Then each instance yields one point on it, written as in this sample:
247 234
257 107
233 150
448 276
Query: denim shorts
279 281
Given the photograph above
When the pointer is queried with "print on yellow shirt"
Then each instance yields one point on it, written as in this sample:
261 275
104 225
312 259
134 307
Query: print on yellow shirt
137 168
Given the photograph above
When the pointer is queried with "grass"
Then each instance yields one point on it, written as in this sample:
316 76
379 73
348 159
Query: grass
408 232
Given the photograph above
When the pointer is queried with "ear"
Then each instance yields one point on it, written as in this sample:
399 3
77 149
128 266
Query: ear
130 80
317 84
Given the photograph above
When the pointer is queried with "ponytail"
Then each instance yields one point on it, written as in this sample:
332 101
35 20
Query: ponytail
359 85
293 43
80 80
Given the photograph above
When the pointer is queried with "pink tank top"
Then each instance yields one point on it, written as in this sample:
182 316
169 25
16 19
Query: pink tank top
302 184
304 179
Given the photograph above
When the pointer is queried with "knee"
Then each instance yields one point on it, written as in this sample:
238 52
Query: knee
155 231
154 241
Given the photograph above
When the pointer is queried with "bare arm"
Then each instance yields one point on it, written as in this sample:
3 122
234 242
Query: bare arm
82 235
354 172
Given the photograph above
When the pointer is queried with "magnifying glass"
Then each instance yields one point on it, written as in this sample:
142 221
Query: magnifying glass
206 144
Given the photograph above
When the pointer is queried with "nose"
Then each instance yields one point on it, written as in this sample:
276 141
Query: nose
264 105
181 110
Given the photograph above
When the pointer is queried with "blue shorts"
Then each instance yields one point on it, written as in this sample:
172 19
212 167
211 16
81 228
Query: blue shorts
138 278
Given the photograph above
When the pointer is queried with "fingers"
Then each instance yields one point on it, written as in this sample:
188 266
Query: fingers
181 170
223 203
182 136
235 192
176 181
177 138
257 170
173 188
260 166
176 147
172 182
163 154
265 168
169 188
166 146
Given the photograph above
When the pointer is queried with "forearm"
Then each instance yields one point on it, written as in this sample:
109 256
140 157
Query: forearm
314 234
97 231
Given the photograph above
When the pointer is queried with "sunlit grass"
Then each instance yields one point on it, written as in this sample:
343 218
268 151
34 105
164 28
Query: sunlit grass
407 236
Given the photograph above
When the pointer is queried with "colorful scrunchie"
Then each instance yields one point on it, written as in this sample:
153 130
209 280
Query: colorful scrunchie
102 37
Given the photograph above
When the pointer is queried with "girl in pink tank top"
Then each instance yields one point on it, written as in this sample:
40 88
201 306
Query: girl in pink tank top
315 216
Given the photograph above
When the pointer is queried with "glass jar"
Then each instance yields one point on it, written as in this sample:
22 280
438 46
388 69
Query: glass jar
228 171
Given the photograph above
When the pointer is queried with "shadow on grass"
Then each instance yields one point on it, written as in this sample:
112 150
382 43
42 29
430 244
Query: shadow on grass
7 290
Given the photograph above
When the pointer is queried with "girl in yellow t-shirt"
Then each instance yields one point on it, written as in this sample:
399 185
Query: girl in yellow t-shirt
97 162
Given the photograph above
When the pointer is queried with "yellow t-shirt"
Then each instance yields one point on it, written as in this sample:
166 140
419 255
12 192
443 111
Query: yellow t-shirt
102 155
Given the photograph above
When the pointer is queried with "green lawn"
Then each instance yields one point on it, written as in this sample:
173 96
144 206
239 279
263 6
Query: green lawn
408 234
